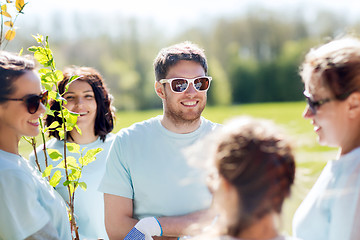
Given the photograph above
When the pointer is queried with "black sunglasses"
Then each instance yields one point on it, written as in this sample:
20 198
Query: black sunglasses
179 85
32 101
315 105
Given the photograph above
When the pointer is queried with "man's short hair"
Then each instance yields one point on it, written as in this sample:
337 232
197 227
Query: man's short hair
169 56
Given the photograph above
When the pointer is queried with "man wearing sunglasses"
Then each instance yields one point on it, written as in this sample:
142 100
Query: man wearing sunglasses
148 176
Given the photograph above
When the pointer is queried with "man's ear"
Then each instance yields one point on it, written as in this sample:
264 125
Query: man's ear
159 89
354 105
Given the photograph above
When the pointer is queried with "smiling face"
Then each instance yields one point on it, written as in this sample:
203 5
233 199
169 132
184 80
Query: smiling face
187 106
15 120
81 99
330 121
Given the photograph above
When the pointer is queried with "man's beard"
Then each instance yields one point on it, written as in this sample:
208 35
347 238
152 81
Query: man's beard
180 117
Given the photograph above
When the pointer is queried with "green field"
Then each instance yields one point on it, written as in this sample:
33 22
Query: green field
310 157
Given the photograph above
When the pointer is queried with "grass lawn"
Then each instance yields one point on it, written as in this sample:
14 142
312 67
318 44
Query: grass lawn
310 157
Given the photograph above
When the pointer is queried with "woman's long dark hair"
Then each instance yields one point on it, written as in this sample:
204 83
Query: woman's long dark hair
104 121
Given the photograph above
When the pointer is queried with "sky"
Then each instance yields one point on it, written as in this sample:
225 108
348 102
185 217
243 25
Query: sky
190 8
169 13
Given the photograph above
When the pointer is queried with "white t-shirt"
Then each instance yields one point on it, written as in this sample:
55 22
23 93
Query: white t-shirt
27 201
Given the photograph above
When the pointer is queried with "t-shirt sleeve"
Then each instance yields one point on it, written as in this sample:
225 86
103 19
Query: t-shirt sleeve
21 213
117 180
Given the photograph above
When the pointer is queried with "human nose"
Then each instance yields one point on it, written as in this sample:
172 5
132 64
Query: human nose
191 89
42 108
307 113
79 101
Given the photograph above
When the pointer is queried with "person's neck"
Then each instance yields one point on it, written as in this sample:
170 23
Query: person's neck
180 128
9 142
264 228
85 137
351 143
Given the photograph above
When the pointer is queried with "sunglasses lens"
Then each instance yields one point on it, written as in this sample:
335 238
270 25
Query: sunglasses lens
311 105
32 103
179 85
201 84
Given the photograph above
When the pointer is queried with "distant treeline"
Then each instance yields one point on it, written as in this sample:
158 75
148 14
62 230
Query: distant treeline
252 58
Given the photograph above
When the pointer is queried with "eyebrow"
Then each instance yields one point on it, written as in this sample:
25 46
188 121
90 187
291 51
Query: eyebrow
87 91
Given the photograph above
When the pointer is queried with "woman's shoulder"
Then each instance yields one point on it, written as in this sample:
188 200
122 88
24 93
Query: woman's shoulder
110 137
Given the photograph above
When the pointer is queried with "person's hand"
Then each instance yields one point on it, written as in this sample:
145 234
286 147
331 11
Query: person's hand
145 229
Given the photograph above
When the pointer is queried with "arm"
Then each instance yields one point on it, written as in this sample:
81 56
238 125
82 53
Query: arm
190 224
171 227
48 232
118 216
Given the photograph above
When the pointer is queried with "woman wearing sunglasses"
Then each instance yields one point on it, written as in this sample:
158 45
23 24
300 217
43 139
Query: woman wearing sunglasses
331 74
89 97
253 171
29 207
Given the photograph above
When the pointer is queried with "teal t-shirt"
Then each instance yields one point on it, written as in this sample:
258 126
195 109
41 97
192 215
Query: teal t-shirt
147 164
89 204
27 201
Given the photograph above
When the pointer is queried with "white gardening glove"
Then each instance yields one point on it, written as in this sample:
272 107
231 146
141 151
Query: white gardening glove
145 229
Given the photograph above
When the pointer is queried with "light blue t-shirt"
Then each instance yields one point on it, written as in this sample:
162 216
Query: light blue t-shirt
27 201
330 211
280 237
147 163
89 204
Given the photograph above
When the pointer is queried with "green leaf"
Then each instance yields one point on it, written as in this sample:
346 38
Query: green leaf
58 97
47 171
67 182
73 147
59 75
49 111
78 129
44 71
55 179
41 57
47 86
89 156
54 154
83 185
33 49
61 133
75 174
21 51
39 38
48 77
71 119
54 124
73 78
70 162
